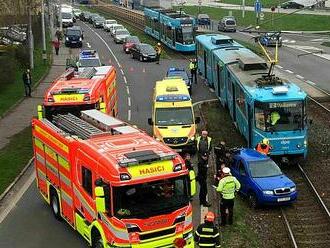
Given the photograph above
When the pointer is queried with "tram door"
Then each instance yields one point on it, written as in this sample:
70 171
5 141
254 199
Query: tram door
250 123
205 64
218 86
234 101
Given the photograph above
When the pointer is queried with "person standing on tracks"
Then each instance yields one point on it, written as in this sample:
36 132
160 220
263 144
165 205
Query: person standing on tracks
193 70
158 49
204 148
207 234
227 187
27 81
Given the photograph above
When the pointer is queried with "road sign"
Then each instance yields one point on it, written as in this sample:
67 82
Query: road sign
257 6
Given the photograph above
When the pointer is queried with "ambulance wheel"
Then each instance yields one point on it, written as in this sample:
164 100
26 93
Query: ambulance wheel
55 204
253 201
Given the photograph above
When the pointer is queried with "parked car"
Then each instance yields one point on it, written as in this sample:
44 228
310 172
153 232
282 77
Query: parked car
108 24
174 72
227 23
92 17
129 42
203 19
88 58
84 16
98 22
74 36
143 52
291 5
120 36
262 181
77 12
116 27
270 39
67 19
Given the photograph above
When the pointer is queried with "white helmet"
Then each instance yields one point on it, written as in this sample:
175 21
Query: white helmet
226 170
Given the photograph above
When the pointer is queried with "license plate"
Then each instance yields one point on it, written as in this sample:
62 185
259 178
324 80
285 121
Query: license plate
283 199
74 41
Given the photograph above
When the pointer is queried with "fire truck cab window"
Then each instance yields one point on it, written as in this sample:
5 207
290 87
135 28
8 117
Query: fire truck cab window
87 180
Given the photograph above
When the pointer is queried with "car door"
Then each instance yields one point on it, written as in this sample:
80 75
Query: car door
243 176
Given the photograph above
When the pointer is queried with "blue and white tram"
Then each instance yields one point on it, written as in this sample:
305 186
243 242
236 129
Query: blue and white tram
260 108
176 30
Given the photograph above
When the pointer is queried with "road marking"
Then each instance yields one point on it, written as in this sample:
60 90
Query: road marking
125 79
117 61
129 115
212 90
122 72
310 82
88 45
289 71
129 101
278 66
299 76
17 197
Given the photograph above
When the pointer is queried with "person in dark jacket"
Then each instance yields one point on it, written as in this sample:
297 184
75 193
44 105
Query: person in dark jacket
27 80
207 234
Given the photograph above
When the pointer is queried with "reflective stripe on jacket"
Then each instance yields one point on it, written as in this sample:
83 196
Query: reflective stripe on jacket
207 235
198 140
227 187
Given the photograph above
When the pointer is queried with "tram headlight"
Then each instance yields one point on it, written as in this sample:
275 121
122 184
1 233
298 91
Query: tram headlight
305 143
298 146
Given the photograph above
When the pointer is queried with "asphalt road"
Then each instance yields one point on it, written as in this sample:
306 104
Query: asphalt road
30 224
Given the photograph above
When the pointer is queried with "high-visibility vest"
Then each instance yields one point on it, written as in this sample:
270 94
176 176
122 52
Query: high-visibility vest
227 187
263 151
209 139
191 66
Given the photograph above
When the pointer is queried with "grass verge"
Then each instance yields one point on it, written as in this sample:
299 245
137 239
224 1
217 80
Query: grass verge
14 156
221 128
265 3
15 91
327 44
285 22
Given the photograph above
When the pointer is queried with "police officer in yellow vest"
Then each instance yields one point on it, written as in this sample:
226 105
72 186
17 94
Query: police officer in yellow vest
203 147
227 187
207 234
193 70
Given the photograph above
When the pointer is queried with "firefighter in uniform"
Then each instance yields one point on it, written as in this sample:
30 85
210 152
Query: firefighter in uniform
227 187
264 147
207 234
203 147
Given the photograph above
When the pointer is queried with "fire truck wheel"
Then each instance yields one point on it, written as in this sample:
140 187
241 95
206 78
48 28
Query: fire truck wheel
55 205
98 242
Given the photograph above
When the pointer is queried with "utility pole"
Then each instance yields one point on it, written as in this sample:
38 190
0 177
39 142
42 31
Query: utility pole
44 55
30 35
243 8
60 15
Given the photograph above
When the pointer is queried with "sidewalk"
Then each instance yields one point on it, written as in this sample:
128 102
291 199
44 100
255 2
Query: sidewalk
20 117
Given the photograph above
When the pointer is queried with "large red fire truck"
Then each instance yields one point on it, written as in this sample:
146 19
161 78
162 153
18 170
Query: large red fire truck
90 88
114 184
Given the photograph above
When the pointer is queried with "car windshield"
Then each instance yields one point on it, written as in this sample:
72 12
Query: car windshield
279 116
89 62
181 74
133 39
119 27
230 22
174 116
73 32
151 198
99 19
264 168
203 16
66 15
111 22
146 48
122 32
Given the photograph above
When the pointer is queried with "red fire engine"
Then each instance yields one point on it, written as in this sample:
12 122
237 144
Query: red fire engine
114 184
91 88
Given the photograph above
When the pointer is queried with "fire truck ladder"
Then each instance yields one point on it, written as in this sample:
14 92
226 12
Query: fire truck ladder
76 126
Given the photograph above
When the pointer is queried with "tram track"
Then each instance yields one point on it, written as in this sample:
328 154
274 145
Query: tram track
307 220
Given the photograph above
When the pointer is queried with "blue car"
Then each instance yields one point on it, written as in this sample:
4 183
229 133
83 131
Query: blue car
174 72
262 181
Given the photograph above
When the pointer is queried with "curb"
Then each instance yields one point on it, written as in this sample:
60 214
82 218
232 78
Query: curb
11 108
26 167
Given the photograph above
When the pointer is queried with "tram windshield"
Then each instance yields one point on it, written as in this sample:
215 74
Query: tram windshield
185 35
279 116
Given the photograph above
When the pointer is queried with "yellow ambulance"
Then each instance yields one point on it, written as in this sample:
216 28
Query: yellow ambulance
173 121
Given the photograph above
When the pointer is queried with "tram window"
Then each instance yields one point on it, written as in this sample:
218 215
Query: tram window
279 116
169 33
157 25
240 100
179 37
